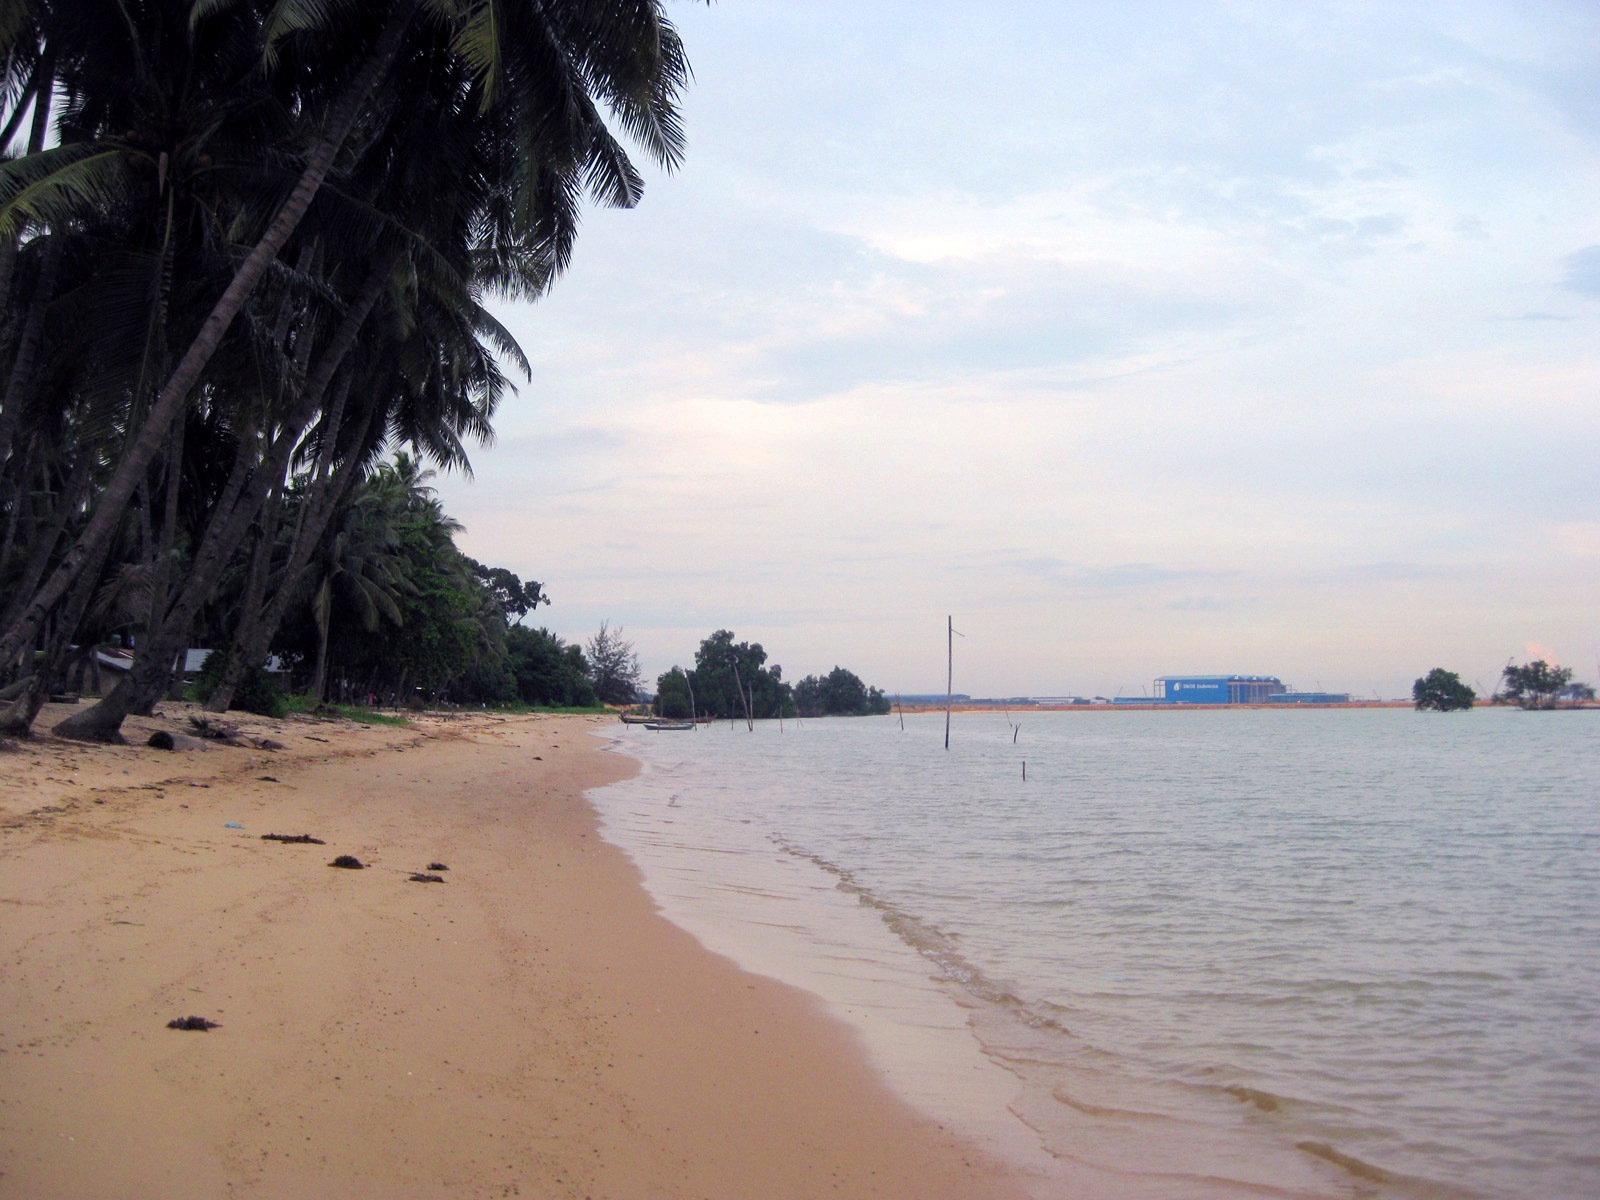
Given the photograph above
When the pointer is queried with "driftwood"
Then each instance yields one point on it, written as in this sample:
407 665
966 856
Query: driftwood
299 839
419 877
437 867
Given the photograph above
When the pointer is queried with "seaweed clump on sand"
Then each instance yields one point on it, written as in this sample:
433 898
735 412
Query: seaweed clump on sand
419 877
437 867
349 861
301 839
192 1024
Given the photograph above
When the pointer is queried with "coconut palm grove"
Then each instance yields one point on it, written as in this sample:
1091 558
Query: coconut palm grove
245 249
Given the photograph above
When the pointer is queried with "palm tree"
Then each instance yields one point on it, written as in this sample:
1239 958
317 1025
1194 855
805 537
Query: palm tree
512 97
358 563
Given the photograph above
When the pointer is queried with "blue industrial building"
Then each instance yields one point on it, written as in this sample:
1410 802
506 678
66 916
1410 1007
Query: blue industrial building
1217 689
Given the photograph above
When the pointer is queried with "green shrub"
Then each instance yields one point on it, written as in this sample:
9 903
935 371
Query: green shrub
256 693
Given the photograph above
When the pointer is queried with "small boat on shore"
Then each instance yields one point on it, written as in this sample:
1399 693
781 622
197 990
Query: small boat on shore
672 725
636 718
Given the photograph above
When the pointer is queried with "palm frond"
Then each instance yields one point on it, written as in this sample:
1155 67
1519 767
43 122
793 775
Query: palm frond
61 184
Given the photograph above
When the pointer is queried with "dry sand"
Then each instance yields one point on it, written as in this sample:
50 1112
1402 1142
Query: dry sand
530 1027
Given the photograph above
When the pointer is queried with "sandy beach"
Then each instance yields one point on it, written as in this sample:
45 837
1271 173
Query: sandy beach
528 1027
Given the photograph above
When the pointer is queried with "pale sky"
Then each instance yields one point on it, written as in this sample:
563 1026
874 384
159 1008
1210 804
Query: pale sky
1143 339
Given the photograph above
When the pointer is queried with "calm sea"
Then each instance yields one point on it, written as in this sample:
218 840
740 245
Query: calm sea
1192 954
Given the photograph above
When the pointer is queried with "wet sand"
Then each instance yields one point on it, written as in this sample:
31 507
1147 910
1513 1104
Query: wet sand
529 1027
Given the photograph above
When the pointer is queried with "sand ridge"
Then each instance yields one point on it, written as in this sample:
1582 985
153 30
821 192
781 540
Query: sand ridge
530 1027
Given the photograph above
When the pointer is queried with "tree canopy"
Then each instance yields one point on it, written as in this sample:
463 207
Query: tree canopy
732 679
613 666
838 693
1441 691
1534 685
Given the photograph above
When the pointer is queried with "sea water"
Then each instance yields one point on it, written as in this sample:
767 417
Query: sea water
1189 954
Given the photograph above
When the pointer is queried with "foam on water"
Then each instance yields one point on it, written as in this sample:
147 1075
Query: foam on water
1195 954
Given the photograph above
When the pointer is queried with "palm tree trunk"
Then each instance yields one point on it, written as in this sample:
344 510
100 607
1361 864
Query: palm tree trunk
319 679
323 504
246 633
21 108
167 545
44 541
18 717
42 85
175 393
256 633
24 370
224 533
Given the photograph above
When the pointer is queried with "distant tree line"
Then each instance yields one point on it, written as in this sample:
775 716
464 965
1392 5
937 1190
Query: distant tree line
1539 685
1534 685
732 679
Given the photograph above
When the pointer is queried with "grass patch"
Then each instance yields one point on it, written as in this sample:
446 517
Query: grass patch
303 703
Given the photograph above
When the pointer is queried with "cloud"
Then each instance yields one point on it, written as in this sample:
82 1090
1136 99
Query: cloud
1583 272
1537 652
1141 336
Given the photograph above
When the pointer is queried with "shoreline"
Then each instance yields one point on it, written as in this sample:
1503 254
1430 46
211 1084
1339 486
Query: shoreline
532 1027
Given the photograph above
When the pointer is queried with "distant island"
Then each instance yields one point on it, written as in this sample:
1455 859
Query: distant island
733 680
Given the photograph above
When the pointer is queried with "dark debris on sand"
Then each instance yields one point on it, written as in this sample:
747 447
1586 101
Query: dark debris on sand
302 839
348 860
419 877
437 867
192 1024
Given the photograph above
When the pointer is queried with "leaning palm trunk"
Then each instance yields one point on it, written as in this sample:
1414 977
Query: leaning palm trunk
17 719
225 532
151 669
175 393
44 540
257 627
167 547
255 592
260 625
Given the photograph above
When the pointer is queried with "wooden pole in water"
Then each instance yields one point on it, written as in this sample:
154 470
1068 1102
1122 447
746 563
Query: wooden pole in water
749 721
689 683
